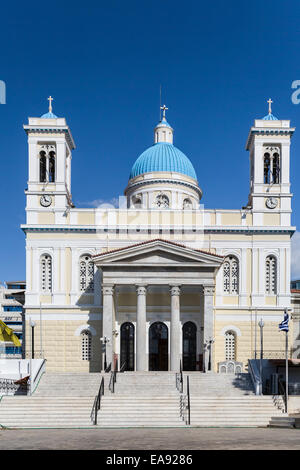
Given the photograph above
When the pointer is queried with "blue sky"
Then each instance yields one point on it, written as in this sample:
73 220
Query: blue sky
103 62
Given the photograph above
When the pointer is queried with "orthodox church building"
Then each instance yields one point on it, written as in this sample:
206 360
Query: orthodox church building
159 280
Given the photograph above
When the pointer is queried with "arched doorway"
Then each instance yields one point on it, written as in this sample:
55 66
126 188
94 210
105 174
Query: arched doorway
189 346
127 346
158 346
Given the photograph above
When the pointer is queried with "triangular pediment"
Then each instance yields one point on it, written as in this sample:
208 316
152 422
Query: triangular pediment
158 252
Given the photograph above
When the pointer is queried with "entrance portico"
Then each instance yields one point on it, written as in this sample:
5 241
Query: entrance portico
149 270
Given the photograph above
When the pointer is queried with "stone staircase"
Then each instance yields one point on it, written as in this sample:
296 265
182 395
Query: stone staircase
60 400
228 400
221 385
141 399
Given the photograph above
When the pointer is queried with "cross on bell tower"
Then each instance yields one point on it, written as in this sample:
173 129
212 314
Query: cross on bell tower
50 99
270 102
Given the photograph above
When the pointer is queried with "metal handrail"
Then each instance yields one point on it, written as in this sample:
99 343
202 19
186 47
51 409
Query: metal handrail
282 392
122 368
179 379
97 403
112 381
108 368
188 400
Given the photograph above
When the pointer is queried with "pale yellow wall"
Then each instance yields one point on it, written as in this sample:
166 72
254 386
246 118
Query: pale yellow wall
46 218
230 300
86 218
271 219
62 348
231 219
274 340
270 300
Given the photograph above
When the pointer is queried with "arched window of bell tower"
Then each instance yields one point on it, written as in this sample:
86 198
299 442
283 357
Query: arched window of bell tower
51 167
272 165
43 167
267 162
47 162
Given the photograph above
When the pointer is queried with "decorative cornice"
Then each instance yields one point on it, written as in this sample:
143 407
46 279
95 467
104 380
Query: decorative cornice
132 187
94 229
51 130
267 131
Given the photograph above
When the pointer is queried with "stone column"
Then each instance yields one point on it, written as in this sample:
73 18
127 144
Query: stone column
141 340
208 317
176 333
107 320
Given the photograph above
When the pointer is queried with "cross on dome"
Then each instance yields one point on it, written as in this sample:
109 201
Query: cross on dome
270 102
50 99
269 116
164 109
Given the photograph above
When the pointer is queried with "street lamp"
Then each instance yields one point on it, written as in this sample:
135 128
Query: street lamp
32 324
104 341
261 326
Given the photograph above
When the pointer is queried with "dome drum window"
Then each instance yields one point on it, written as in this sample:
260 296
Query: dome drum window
187 204
137 201
162 201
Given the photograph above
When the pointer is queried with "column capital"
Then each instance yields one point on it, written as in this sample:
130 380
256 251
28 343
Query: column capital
108 290
175 290
207 290
141 290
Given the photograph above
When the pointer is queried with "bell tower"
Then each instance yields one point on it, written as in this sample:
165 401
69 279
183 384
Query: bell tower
269 147
50 145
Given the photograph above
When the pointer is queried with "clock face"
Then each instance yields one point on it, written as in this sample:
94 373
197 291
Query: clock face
271 202
45 200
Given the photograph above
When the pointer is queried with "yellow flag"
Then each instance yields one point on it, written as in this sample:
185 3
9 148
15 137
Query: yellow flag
7 334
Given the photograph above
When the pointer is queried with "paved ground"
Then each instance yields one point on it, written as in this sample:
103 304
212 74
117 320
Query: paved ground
149 439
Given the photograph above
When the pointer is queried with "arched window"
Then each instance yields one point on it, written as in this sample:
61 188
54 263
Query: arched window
47 163
51 167
267 167
162 201
272 165
187 203
86 274
271 275
43 167
276 168
137 201
86 345
46 273
231 275
230 346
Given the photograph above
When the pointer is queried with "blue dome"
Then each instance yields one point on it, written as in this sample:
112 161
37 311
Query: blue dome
163 157
49 116
270 117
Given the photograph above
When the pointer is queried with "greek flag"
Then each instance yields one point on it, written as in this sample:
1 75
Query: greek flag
284 325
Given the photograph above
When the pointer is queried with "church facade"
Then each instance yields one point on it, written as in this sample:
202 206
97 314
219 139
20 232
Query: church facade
159 280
